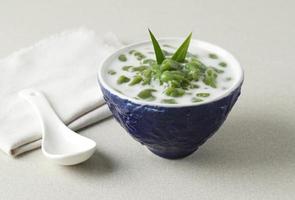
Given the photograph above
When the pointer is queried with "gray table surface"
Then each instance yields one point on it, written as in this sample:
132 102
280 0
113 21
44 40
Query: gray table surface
251 157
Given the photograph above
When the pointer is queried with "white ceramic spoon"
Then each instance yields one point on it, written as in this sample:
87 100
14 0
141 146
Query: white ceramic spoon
59 143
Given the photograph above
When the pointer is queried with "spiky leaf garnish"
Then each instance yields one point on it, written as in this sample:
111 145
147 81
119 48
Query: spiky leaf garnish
158 51
181 52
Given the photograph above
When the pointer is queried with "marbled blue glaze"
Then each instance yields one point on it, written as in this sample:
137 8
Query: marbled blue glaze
171 132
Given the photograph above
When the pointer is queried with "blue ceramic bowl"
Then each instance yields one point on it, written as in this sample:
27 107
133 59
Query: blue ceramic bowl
168 130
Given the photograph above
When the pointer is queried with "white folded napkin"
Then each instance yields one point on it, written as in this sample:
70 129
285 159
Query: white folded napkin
64 67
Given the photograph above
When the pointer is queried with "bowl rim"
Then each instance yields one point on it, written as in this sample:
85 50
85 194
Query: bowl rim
217 49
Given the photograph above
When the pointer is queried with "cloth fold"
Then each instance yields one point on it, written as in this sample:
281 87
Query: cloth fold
64 67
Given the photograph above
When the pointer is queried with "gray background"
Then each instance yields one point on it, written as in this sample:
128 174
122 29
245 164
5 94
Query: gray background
251 157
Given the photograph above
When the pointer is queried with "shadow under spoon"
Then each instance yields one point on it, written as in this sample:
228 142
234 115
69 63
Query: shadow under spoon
59 143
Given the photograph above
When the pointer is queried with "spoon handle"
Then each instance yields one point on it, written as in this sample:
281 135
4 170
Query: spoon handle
46 114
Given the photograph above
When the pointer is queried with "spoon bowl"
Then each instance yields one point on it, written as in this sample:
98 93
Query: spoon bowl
68 150
59 143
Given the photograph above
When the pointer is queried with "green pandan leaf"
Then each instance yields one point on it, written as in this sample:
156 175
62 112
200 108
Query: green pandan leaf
158 51
181 52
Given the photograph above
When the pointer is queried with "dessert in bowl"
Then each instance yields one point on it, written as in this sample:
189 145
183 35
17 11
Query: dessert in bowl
171 102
